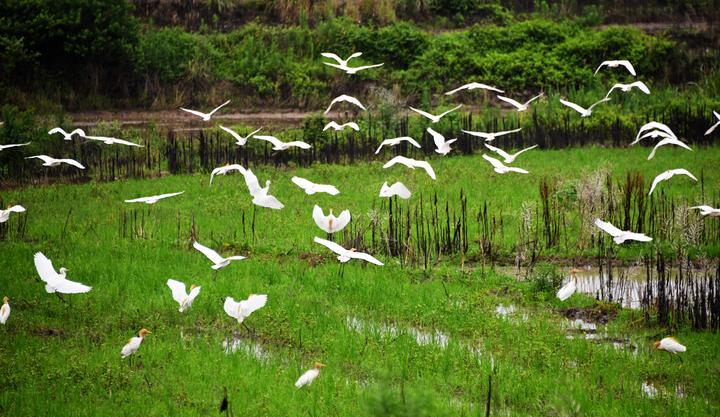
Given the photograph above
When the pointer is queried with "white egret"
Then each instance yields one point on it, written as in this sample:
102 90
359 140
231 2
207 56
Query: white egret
707 211
330 223
345 98
669 174
205 116
239 140
5 214
667 141
713 127
332 125
53 162
13 145
5 310
627 87
260 195
473 86
501 168
181 296
620 236
242 309
395 141
616 63
279 145
412 164
56 282
519 106
309 376
433 118
442 145
153 199
399 189
490 136
66 135
583 111
651 126
134 343
312 188
508 158
569 288
657 133
225 169
670 345
113 141
217 260
345 255
352 70
340 61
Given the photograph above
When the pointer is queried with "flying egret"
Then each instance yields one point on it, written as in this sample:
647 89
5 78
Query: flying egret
311 188
332 125
508 158
134 344
217 260
340 61
583 111
627 87
330 223
113 141
433 118
205 116
52 162
352 70
55 282
399 189
309 376
241 310
239 140
669 174
5 214
650 126
473 86
395 141
279 145
13 145
153 199
490 136
657 133
225 169
616 63
66 135
346 98
501 168
180 295
670 345
568 289
707 211
442 145
667 141
345 255
260 195
521 107
620 236
713 127
5 310
412 164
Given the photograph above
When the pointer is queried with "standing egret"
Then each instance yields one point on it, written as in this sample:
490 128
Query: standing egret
399 189
412 164
706 211
279 145
332 125
52 162
5 310
627 87
395 141
620 236
346 98
66 135
225 169
153 199
345 255
521 107
239 140
309 376
669 174
330 223
134 343
508 158
5 214
205 116
180 295
113 141
13 145
311 188
670 345
501 168
568 289
490 136
260 195
56 282
667 141
473 86
442 145
616 63
583 111
217 260
713 127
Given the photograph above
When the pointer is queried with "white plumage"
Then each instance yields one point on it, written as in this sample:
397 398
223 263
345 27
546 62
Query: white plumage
616 63
670 345
217 260
113 141
713 127
239 140
707 211
583 111
134 344
53 162
620 236
345 255
5 214
490 136
259 194
473 86
309 376
66 135
181 296
344 98
330 223
501 168
340 61
399 189
333 125
5 311
652 126
56 282
153 199
13 145
312 188
433 118
412 164
241 310
627 87
519 106
667 141
225 169
508 158
442 145
395 141
567 290
669 174
205 116
279 145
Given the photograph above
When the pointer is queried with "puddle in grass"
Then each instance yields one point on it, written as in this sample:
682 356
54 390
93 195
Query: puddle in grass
582 329
422 338
509 311
651 391
250 348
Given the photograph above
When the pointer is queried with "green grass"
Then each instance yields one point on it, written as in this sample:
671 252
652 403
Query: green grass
181 369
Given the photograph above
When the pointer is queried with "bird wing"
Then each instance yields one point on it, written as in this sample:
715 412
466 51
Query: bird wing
641 86
495 162
12 145
125 142
608 228
518 170
333 125
79 132
342 220
661 177
161 196
525 150
352 100
462 87
45 269
505 132
352 125
209 253
450 111
57 130
437 138
510 101
627 65
306 378
618 85
702 208
412 141
423 113
424 165
363 256
498 151
231 307
326 188
302 182
218 108
16 209
138 200
683 171
252 304
65 286
364 67
298 143
179 293
333 56
193 293
331 245
45 158
272 139
574 106
484 135
320 219
401 190
268 201
398 160
600 66
712 128
338 66
533 99
234 134
195 112
72 162
649 126
667 141
598 102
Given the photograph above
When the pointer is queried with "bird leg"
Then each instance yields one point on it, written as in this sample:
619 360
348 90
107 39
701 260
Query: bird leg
252 332
60 297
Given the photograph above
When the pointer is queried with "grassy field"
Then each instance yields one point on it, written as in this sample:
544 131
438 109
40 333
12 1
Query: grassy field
397 341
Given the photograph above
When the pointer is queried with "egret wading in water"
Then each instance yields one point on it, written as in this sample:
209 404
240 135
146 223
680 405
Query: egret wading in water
309 376
569 289
134 344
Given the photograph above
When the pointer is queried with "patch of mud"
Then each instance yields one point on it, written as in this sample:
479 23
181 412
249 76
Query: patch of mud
590 314
48 332
311 258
